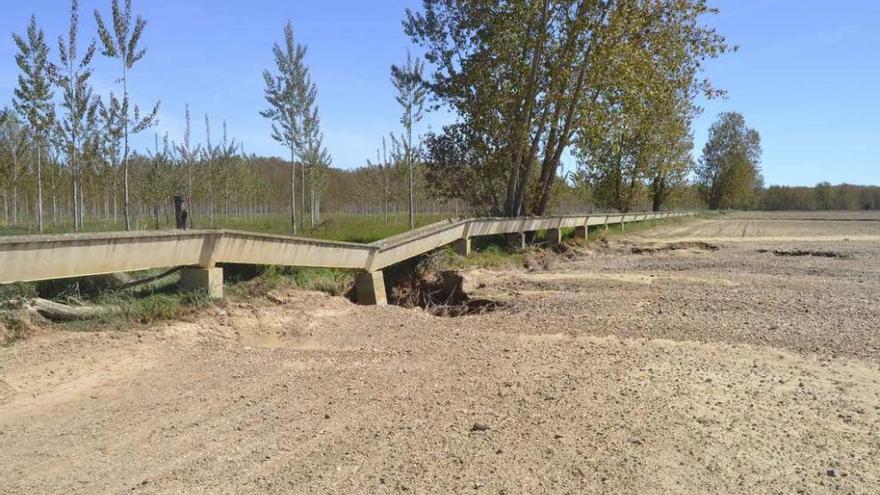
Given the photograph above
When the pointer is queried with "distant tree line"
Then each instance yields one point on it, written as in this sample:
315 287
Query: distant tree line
823 196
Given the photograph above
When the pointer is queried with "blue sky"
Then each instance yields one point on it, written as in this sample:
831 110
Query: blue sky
806 74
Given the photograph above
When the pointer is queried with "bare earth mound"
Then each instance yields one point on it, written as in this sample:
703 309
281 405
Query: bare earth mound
677 360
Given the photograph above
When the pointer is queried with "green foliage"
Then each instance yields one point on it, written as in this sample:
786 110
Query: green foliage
283 90
150 307
645 103
337 227
492 256
528 79
17 290
329 280
33 96
333 281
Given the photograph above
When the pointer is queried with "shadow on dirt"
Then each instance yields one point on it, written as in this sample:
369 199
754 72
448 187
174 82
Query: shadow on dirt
675 246
803 252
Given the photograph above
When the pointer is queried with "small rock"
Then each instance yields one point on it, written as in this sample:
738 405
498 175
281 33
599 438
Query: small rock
831 473
479 427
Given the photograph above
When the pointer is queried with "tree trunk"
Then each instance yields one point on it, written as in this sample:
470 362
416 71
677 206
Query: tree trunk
75 205
292 192
125 117
14 202
62 312
14 185
82 205
115 189
409 159
54 204
518 180
302 194
659 192
39 206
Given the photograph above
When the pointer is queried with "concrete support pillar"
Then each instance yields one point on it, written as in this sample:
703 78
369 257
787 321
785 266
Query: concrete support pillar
554 236
463 246
580 233
517 240
369 288
207 279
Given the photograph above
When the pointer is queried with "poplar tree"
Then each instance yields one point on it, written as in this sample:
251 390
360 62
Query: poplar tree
283 94
411 97
208 155
159 176
123 44
318 160
383 164
189 156
33 97
307 95
110 123
80 107
228 157
313 155
13 138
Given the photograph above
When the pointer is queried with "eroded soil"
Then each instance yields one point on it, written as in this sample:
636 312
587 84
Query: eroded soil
667 370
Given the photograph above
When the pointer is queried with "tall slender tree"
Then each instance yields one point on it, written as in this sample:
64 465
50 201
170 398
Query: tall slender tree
33 97
189 155
411 93
13 140
313 156
209 154
80 105
309 131
159 176
283 94
124 44
108 144
383 164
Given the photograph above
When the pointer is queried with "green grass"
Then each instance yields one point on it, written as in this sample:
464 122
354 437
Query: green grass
334 226
159 302
333 281
490 256
155 306
17 290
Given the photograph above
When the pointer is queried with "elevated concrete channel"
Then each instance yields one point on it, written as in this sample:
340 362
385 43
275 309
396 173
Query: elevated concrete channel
33 258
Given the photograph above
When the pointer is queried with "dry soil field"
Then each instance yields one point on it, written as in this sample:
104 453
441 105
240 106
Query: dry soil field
738 354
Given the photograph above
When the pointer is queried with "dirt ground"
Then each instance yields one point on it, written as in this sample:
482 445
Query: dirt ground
738 354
